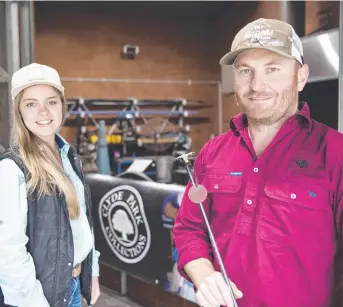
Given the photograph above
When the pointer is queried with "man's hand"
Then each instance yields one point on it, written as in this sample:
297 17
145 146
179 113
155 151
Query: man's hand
212 288
214 292
95 289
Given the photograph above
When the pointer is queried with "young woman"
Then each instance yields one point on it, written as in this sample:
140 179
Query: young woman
47 255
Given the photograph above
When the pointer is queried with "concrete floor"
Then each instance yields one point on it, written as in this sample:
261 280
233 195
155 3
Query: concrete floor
109 298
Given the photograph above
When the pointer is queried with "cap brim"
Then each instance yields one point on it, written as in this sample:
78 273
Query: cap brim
18 89
230 57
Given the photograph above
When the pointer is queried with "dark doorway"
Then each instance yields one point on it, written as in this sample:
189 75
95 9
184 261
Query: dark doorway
322 98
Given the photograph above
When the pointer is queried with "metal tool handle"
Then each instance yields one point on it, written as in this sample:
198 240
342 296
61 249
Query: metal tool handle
213 241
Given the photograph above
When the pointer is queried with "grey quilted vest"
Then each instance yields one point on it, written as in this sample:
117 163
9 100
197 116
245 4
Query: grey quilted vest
50 240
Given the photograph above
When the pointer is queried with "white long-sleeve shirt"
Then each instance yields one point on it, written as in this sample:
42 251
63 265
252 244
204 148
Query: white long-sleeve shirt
17 271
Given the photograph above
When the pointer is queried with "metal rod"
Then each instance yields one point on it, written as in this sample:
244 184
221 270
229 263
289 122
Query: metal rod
12 27
340 72
13 58
148 81
133 113
213 241
123 283
26 33
286 12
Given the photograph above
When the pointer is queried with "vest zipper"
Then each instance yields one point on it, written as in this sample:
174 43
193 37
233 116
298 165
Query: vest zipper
58 255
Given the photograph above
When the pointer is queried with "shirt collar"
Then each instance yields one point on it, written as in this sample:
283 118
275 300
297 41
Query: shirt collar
240 121
63 145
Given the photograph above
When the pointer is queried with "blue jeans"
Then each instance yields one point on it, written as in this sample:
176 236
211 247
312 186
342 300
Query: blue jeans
75 293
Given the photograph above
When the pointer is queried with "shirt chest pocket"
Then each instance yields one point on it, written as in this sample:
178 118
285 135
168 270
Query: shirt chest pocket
297 212
311 196
222 183
225 196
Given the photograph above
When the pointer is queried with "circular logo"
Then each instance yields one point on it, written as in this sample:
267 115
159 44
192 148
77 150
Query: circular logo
124 223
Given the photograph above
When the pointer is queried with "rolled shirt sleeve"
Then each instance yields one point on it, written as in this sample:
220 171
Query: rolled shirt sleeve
17 271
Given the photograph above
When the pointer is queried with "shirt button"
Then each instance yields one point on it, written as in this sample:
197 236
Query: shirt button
255 169
216 186
69 264
249 202
65 300
293 196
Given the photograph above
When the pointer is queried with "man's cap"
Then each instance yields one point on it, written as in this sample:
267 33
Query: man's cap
34 74
269 34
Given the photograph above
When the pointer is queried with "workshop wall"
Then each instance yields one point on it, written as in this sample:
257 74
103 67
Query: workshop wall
321 15
80 41
87 43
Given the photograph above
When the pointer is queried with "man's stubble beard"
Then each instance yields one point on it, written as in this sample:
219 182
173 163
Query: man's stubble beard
271 114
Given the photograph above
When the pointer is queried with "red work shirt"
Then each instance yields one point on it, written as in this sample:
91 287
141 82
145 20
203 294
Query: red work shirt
275 218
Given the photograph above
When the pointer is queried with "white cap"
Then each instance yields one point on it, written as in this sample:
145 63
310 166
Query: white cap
34 74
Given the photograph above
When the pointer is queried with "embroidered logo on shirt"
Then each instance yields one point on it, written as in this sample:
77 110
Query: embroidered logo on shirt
312 194
302 163
124 224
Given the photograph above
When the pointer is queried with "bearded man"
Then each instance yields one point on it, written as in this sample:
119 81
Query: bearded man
274 183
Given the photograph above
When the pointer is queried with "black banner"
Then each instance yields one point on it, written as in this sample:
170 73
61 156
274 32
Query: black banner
128 228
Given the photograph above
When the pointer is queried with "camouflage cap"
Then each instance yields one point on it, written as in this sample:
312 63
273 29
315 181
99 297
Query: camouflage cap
270 34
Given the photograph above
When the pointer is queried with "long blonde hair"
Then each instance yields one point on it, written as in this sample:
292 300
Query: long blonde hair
46 176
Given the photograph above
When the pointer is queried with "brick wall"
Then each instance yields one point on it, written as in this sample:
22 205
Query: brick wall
87 43
316 9
86 40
